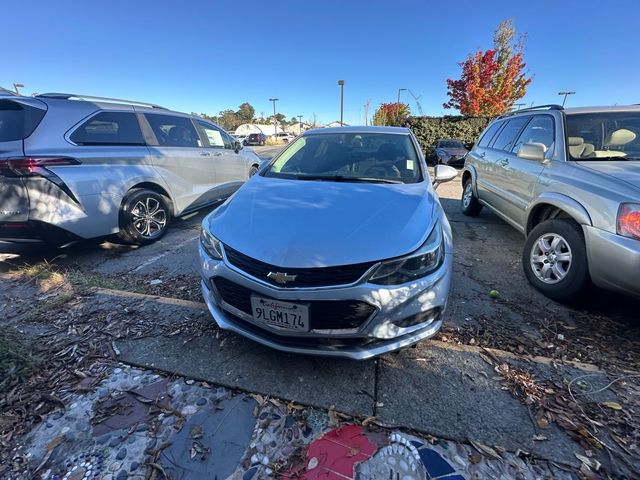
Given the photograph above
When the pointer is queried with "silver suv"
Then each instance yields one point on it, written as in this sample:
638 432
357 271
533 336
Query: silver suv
74 167
570 181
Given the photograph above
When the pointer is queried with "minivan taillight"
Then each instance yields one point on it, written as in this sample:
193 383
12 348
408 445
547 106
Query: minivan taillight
29 166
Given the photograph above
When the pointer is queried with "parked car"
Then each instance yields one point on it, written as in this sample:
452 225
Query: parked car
255 139
570 181
285 137
75 167
338 246
240 138
449 152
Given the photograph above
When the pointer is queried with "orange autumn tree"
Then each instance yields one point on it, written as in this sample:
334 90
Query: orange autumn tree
492 80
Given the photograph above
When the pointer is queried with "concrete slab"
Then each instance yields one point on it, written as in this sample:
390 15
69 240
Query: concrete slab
240 363
452 394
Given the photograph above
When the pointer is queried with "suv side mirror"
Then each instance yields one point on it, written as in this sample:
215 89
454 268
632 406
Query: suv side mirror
532 151
237 146
443 173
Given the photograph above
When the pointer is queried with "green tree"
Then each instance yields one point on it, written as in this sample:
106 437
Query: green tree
228 120
281 118
391 114
245 113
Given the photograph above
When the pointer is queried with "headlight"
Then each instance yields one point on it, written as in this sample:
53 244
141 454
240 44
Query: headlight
629 220
415 265
211 245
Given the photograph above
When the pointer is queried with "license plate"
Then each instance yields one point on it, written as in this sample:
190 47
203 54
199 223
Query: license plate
287 315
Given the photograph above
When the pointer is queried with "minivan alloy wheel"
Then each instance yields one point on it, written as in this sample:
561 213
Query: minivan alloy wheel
551 258
148 217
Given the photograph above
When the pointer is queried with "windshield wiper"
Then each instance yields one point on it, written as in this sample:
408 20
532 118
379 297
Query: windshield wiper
343 178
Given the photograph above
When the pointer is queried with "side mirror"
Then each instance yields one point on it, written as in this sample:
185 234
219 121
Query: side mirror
532 151
443 173
237 146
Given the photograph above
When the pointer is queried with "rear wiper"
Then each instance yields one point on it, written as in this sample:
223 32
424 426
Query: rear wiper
342 178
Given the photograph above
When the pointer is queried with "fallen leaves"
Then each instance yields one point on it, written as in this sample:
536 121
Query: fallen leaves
612 405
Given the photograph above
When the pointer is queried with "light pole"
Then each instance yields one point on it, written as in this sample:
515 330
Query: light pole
341 83
275 125
16 86
565 96
400 90
519 105
300 120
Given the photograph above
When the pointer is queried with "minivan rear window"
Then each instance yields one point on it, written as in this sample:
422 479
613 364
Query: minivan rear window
17 121
109 128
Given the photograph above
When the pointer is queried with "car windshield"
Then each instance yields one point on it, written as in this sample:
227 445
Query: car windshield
349 157
612 136
450 144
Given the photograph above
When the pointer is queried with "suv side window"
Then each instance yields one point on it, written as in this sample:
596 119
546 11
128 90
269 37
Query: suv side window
215 137
507 137
539 130
173 131
109 128
489 133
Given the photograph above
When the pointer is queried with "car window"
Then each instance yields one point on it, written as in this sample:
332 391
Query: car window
349 157
604 136
109 128
507 137
215 136
539 130
173 131
489 133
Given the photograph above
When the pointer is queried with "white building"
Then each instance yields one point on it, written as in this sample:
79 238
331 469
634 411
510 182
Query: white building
336 124
295 128
247 128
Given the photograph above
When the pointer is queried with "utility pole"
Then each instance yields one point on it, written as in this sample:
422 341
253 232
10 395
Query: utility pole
300 120
341 83
366 112
400 90
16 86
275 124
565 96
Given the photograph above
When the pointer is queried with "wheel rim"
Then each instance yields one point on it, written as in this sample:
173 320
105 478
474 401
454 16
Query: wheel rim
551 258
149 217
467 196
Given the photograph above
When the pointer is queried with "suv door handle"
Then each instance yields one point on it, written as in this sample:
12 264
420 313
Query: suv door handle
504 162
483 154
205 154
217 154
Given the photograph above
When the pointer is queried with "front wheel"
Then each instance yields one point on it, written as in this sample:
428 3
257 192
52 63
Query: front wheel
144 217
470 204
555 259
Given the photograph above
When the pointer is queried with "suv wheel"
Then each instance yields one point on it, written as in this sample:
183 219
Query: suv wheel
555 259
144 217
470 204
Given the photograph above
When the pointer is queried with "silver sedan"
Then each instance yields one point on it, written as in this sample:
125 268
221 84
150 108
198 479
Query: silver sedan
338 246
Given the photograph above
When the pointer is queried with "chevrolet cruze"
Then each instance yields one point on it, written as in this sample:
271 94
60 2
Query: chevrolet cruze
338 246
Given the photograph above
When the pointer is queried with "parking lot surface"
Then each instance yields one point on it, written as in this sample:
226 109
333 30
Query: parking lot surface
497 374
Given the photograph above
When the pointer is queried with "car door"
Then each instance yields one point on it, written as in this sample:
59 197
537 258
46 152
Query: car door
182 160
231 169
504 201
518 176
481 158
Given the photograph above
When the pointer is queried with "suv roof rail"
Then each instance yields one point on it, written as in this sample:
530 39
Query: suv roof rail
70 96
551 106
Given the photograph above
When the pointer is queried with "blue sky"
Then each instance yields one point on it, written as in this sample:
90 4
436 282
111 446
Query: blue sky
205 56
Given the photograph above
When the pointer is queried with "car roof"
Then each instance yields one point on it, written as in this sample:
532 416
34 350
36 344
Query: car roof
356 129
613 108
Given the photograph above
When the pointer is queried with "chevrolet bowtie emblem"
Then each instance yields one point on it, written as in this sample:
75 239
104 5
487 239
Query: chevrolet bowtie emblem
281 277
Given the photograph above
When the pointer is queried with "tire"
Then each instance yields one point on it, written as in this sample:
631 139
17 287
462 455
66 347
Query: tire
471 207
253 170
555 260
138 227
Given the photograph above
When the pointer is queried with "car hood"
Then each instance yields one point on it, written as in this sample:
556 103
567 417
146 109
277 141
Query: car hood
293 223
454 151
623 171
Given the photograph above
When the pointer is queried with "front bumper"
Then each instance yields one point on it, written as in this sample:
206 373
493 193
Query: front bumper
614 261
376 336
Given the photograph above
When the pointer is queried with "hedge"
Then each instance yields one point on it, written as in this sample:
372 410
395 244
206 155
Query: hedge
429 129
